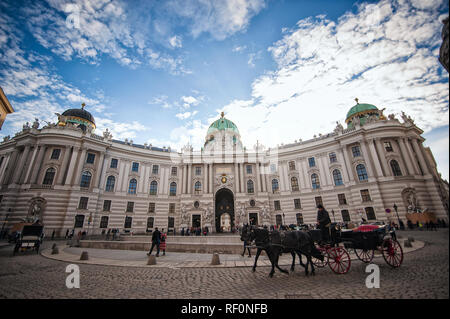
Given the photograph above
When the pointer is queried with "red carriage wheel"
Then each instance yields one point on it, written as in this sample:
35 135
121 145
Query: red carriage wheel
321 263
364 255
339 260
392 252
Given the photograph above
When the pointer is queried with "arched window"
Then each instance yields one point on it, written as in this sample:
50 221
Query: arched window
110 182
49 176
315 181
274 185
86 179
337 177
361 171
153 187
173 189
250 187
294 184
132 186
396 168
198 187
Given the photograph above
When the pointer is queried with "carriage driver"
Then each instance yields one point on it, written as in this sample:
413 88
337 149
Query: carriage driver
324 222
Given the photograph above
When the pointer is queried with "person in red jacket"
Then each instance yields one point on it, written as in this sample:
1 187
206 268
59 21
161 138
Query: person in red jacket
162 245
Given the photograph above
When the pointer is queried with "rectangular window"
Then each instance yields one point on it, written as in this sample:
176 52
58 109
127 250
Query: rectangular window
198 170
130 207
292 166
174 171
279 219
249 169
318 200
135 167
171 222
128 222
155 169
277 205
150 222
114 162
365 196
356 151
83 203
171 208
342 199
388 147
151 207
104 222
345 215
312 162
333 158
299 218
90 158
107 206
55 153
297 204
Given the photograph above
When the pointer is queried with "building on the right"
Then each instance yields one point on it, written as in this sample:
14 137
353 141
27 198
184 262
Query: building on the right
5 107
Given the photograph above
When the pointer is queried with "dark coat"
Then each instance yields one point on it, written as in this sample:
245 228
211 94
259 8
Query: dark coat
323 218
156 236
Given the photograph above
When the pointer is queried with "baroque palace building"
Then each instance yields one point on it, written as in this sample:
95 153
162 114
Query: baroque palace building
68 177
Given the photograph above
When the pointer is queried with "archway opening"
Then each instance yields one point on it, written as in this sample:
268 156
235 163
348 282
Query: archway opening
224 205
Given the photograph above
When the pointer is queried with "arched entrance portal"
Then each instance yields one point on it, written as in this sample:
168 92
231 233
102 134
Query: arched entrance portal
224 210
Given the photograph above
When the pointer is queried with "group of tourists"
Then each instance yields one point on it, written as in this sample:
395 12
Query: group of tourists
429 225
194 231
158 241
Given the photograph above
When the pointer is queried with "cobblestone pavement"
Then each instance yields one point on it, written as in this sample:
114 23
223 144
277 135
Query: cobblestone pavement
424 274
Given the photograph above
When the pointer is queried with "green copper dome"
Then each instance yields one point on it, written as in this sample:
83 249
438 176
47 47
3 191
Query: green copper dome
360 108
221 125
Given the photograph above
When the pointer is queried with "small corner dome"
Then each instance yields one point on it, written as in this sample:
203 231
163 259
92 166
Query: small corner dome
79 113
360 109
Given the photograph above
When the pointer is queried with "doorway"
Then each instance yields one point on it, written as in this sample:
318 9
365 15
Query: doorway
224 205
253 219
196 221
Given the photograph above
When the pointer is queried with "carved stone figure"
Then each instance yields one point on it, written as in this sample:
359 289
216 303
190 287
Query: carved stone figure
208 215
36 123
184 214
61 118
26 126
6 138
391 117
107 135
338 128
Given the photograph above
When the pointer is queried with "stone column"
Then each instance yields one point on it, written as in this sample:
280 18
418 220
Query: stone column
243 181
406 157
413 158
20 166
258 177
73 161
103 176
342 160
301 176
189 179
348 163
366 156
98 170
211 178
384 166
65 162
183 179
264 178
80 166
306 175
37 164
236 178
376 160
422 161
205 178
323 165
33 158
5 168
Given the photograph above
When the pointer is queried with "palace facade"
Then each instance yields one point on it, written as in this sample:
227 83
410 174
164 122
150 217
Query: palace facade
68 177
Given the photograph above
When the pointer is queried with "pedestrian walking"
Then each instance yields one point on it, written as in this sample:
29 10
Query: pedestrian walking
156 241
67 233
162 245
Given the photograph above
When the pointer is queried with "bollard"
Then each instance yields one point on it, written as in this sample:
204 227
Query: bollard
151 260
53 246
55 250
84 256
407 243
215 259
411 239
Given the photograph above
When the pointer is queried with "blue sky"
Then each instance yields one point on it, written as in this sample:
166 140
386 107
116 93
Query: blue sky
161 71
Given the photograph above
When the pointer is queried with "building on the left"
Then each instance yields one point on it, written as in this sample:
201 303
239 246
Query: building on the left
5 107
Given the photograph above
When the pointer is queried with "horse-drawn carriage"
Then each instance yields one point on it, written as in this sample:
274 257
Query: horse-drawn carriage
364 241
30 238
334 252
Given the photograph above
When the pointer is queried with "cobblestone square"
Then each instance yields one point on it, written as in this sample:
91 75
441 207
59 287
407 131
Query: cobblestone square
423 274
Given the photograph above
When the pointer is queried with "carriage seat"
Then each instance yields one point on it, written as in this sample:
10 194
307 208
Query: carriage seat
30 237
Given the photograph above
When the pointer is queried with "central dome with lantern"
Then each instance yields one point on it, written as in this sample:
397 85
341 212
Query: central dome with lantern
362 113
223 130
78 117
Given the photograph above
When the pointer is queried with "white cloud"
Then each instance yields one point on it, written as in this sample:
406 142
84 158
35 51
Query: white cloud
239 48
219 18
384 54
175 41
185 115
120 130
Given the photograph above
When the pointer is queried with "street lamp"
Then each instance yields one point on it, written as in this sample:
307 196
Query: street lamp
334 219
284 221
395 208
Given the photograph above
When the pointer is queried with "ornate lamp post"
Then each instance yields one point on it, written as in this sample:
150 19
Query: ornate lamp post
396 211
284 220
